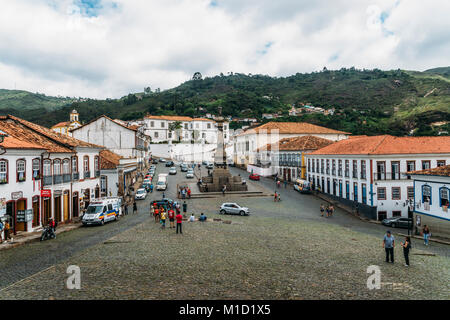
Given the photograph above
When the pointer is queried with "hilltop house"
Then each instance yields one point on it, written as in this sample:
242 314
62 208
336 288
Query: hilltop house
67 127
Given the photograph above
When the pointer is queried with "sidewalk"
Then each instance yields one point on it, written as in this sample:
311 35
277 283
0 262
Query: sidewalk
24 237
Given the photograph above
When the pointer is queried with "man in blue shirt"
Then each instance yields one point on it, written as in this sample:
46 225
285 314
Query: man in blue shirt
388 245
202 218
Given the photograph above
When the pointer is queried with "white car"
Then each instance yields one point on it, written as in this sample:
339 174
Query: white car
173 170
234 208
141 194
190 174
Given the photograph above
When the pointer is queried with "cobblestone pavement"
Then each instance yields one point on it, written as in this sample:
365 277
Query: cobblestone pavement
252 258
284 250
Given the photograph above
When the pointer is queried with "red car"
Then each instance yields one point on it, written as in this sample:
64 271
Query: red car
254 176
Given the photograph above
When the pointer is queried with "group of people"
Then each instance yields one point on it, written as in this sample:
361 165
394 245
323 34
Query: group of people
202 218
276 196
125 207
328 210
278 182
185 191
389 245
168 211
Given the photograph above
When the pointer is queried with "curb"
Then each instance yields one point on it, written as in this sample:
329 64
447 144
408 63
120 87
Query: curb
36 238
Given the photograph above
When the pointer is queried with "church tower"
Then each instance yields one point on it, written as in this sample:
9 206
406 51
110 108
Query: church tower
74 116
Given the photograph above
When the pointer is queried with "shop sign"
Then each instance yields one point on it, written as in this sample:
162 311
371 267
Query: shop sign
16 195
46 193
24 215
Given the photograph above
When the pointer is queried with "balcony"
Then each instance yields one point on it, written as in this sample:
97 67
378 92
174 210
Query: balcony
97 173
57 178
347 173
333 172
67 177
47 180
75 176
355 174
363 175
383 176
340 172
328 170
87 174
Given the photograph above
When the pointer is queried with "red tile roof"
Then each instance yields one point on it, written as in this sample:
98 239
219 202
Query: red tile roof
388 145
61 124
293 128
13 143
297 144
439 171
30 132
109 160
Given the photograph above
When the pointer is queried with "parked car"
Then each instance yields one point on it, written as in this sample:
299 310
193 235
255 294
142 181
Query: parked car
170 163
141 194
234 208
162 202
173 170
398 222
162 160
184 168
210 166
254 176
154 161
204 163
190 174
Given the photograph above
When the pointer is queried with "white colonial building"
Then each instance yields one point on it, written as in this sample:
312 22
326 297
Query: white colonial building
248 142
371 171
199 130
128 142
431 200
64 175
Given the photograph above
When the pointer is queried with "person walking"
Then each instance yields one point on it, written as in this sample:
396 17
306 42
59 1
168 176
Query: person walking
126 208
426 234
189 193
184 208
1 231
156 214
388 245
278 183
171 218
322 209
6 227
224 188
406 247
151 188
134 206
279 197
331 210
285 184
179 219
275 196
163 220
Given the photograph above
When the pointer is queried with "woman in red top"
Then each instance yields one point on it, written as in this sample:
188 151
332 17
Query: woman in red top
156 213
171 218
179 218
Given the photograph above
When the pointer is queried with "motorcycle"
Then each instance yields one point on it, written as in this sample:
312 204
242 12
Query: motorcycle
47 234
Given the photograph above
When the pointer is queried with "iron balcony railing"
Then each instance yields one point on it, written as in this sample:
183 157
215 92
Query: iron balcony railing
355 174
75 176
87 174
363 175
67 177
97 173
57 178
47 180
381 176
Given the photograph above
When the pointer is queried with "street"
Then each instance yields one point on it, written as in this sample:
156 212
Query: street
294 217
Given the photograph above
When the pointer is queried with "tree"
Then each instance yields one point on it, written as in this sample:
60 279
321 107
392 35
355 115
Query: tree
197 76
176 126
147 90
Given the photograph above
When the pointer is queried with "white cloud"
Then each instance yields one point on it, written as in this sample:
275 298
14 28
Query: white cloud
58 48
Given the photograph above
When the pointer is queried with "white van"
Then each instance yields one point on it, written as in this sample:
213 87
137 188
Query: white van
102 210
162 182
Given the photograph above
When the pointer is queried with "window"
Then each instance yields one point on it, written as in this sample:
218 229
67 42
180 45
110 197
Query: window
186 126
74 164
47 168
333 167
381 193
347 168
322 169
204 135
347 190
103 184
3 171
317 165
381 170
426 194
410 166
328 166
425 164
382 215
313 166
56 167
340 168
20 168
162 124
355 169
156 135
440 163
152 124
355 191
208 125
410 191
66 166
196 126
36 169
396 193
170 135
96 164
395 170
396 213
86 163
444 194
363 169
309 165
364 193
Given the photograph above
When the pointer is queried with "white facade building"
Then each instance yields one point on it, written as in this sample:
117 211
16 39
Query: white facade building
371 171
200 130
431 200
247 142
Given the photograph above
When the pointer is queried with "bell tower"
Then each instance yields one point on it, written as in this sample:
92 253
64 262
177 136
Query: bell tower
74 116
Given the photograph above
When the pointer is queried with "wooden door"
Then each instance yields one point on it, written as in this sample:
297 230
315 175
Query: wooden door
66 206
57 208
35 211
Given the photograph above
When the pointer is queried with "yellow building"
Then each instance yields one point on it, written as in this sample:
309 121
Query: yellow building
68 126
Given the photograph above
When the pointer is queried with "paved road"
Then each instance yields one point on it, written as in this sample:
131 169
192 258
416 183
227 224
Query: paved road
21 262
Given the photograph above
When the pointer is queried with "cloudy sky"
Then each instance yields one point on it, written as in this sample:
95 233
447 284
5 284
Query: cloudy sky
108 48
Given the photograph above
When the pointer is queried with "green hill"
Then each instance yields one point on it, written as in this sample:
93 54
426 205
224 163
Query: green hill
365 101
24 100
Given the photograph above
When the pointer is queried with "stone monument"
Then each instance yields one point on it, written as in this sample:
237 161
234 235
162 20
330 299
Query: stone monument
220 175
